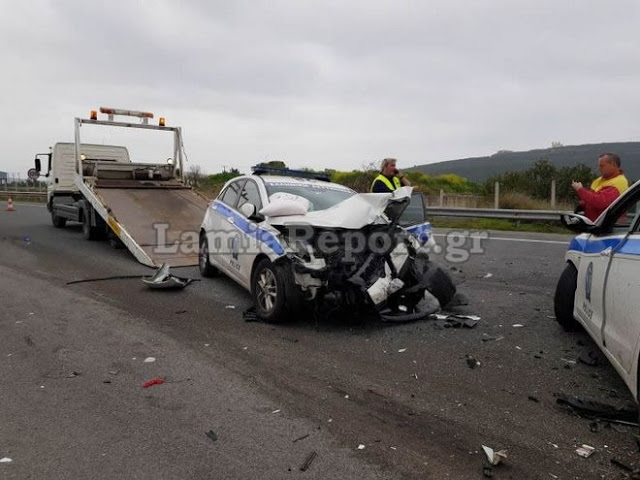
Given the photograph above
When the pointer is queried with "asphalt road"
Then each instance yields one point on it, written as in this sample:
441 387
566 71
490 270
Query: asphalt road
72 365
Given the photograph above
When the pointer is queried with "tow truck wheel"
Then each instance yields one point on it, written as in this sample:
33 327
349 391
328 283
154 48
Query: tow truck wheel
565 298
268 292
89 232
58 222
206 269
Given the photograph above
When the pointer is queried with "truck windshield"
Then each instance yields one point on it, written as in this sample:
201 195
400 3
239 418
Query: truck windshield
321 197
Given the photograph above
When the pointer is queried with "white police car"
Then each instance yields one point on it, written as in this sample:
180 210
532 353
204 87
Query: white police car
600 286
291 237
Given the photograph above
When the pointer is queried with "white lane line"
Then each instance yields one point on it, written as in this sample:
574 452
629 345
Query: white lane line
505 239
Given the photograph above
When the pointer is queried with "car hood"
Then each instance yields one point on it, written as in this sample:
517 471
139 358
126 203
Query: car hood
353 213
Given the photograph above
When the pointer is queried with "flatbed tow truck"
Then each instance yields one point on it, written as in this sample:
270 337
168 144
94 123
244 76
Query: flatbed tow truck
147 207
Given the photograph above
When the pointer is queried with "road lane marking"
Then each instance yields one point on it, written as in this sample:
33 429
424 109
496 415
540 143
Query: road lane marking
506 239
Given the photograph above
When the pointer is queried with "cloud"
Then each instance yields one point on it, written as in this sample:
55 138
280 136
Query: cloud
325 84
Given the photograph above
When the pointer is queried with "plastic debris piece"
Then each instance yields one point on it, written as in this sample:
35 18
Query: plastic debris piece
534 399
594 409
212 435
163 280
494 457
230 307
585 451
472 362
149 360
73 374
517 325
488 275
361 447
276 411
250 315
151 383
402 350
5 460
308 461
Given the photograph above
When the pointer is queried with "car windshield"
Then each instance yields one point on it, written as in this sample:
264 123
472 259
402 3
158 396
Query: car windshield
321 197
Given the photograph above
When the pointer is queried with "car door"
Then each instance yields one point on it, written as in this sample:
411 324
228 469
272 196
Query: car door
249 247
413 219
621 327
224 237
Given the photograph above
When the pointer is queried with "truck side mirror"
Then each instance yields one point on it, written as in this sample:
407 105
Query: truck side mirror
38 165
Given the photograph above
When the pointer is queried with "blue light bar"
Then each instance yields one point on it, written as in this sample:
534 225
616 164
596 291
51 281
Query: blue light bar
287 172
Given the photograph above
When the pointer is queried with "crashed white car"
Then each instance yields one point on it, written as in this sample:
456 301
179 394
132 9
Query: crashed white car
291 240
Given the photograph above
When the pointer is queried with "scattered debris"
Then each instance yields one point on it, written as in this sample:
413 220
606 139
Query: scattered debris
276 411
361 447
151 383
116 277
29 341
595 409
488 275
212 435
402 350
590 359
113 372
162 279
73 374
585 451
149 360
472 362
230 307
180 312
457 321
5 460
250 315
517 325
301 438
308 461
594 427
570 362
494 457
534 399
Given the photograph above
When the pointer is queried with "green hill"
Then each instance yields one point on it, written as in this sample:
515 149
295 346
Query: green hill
478 169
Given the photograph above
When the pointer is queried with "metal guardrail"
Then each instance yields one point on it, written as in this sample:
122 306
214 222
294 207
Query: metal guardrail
41 196
508 214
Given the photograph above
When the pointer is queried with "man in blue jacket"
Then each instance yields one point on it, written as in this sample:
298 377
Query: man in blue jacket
390 178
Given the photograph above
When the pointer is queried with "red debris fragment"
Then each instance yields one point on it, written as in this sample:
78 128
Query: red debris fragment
151 383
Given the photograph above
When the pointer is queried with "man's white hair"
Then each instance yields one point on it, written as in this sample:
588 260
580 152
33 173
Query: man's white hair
386 162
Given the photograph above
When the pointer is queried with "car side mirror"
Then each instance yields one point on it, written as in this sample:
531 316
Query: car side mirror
248 210
578 223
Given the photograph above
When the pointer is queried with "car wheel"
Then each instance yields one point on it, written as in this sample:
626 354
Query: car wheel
565 298
89 232
58 222
206 269
440 285
269 292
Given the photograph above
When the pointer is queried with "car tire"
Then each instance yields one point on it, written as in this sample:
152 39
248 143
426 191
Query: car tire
90 232
206 269
58 222
272 290
565 297
440 285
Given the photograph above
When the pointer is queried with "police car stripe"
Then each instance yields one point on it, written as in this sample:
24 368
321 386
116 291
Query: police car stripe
249 228
582 245
421 232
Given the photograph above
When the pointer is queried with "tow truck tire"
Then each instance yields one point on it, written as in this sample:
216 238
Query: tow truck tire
565 297
206 269
268 290
58 222
89 232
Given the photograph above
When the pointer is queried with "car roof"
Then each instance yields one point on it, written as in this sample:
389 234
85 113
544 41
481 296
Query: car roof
279 179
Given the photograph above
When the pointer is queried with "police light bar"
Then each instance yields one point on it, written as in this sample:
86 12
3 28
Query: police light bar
145 116
287 172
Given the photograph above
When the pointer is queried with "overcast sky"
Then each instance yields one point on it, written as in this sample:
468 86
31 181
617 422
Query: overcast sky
325 83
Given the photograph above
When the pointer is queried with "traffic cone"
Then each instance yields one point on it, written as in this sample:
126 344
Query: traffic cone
10 207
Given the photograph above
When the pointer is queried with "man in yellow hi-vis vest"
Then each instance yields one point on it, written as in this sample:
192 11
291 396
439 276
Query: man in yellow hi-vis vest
390 178
605 189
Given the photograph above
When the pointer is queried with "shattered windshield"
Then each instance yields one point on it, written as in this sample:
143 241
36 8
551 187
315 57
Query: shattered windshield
321 197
